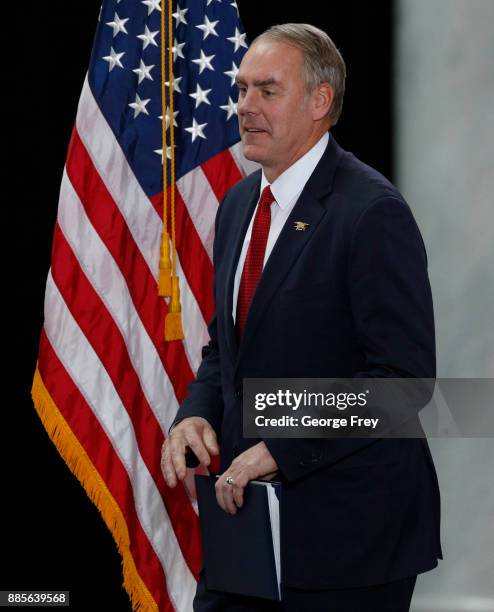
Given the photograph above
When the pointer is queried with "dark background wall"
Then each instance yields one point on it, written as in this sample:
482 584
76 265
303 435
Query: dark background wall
52 535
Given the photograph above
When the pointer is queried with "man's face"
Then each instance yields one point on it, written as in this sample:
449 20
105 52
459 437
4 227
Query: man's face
274 109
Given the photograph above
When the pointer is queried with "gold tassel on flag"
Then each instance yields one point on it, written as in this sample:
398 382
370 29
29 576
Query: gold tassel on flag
168 281
173 321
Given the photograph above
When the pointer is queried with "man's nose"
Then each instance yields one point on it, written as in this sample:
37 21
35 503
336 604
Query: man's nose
247 104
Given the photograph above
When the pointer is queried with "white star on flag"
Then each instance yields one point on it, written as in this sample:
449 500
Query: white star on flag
204 62
200 96
208 27
118 25
232 73
238 40
179 16
114 59
153 5
148 37
168 152
139 106
167 117
176 84
234 4
196 130
143 71
230 108
177 49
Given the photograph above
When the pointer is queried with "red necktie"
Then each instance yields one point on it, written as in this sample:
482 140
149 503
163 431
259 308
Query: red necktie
255 258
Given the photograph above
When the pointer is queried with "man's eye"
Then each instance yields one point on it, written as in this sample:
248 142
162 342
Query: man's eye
268 93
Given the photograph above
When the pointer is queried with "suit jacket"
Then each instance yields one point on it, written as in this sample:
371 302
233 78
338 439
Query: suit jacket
347 297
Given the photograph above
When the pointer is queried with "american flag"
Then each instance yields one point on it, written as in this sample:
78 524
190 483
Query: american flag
107 385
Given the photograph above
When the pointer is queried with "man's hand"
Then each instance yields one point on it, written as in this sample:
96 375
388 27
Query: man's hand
195 433
254 463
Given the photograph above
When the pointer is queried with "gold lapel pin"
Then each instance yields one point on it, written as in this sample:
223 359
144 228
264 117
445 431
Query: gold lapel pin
300 226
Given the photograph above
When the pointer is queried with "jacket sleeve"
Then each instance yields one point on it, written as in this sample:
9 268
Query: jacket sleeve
392 310
205 397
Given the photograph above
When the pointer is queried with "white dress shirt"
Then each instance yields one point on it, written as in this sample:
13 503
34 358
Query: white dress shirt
286 190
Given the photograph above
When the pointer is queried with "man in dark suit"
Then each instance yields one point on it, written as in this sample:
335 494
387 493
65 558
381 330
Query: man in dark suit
347 296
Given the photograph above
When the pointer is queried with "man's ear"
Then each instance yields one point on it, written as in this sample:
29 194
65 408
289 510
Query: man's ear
322 99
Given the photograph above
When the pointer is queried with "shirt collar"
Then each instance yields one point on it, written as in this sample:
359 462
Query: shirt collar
291 182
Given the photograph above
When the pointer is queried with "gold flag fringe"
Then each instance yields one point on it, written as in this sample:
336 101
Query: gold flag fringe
82 467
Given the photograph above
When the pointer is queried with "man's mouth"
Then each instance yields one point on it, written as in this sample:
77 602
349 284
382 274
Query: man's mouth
253 130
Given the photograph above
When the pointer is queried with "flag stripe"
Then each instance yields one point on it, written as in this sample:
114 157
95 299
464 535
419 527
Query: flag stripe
144 221
93 438
245 166
222 173
92 380
201 204
108 343
197 265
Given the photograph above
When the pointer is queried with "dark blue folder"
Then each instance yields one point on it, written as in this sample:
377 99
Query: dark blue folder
242 551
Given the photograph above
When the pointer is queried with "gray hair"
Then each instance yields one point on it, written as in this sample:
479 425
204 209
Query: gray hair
322 60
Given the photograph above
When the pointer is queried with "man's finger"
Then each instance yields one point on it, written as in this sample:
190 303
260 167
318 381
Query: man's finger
167 468
219 494
198 448
177 456
228 498
209 439
238 496
240 482
224 496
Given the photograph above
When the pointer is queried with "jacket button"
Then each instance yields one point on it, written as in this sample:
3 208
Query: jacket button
239 392
315 457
